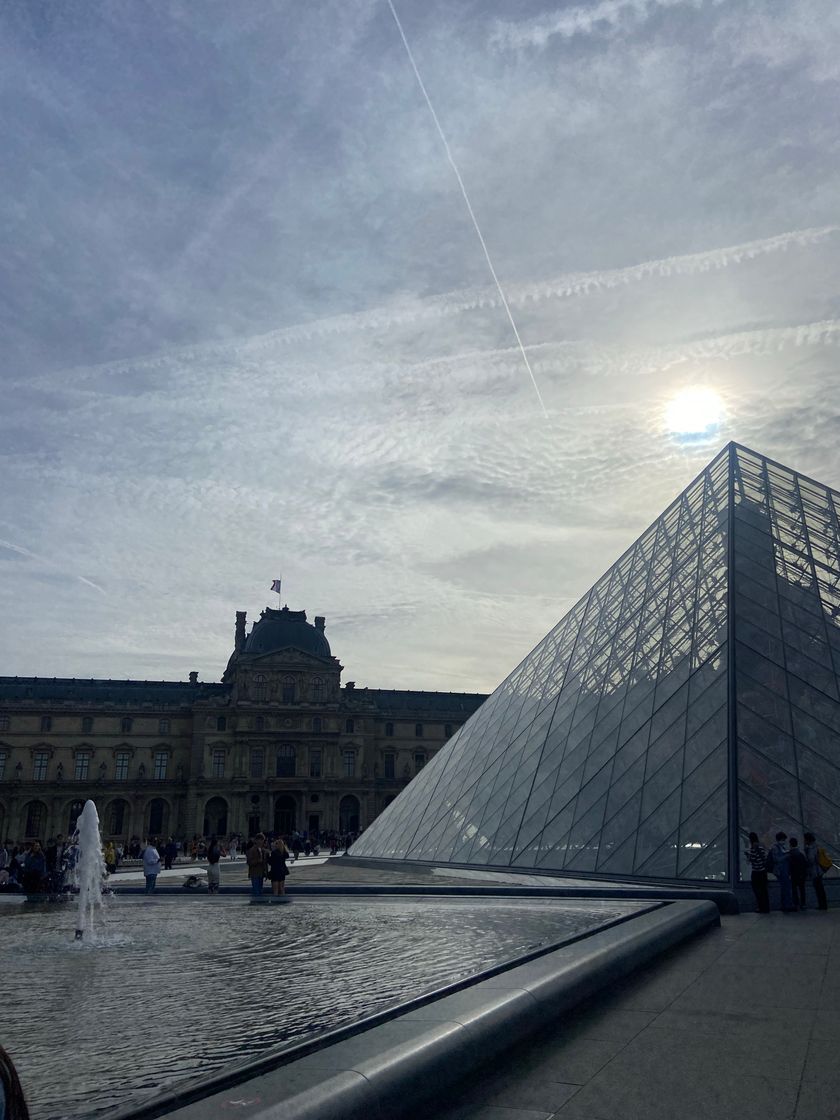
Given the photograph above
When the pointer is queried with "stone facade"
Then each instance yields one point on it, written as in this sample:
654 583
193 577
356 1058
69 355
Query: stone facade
278 744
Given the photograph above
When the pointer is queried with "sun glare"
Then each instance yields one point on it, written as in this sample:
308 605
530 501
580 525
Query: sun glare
694 412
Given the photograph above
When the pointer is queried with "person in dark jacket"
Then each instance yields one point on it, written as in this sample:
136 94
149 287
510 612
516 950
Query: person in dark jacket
34 869
278 869
798 872
170 851
781 869
756 853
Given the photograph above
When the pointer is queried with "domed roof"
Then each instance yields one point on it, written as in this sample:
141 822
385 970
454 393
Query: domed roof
287 629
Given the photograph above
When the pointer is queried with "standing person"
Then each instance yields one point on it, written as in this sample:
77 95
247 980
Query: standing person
34 869
780 866
151 866
214 854
756 853
815 870
12 1101
255 858
277 866
170 851
110 856
798 863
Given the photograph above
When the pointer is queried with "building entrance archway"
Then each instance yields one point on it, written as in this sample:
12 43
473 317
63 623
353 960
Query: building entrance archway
285 814
348 814
216 817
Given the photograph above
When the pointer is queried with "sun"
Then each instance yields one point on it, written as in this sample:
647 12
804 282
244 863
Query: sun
694 412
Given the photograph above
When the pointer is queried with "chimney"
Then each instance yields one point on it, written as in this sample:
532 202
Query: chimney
239 636
193 677
320 622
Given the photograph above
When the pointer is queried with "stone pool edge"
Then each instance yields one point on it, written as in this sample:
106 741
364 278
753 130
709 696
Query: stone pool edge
392 1068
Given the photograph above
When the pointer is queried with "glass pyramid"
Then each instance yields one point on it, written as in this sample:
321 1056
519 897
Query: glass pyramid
690 697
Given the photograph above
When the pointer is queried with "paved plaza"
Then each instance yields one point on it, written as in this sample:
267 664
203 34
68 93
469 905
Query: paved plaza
743 1022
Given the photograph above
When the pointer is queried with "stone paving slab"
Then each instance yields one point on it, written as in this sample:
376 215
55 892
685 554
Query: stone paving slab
742 1022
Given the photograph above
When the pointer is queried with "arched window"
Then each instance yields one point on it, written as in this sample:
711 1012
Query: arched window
316 723
116 816
87 725
288 693
126 724
157 816
348 814
285 763
36 818
75 812
317 689
221 723
350 726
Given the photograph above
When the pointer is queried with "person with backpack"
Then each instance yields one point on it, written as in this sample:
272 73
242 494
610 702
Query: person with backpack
757 855
818 861
778 864
798 873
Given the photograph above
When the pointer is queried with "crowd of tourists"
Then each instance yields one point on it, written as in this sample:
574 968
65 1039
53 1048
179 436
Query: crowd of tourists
33 868
37 869
793 867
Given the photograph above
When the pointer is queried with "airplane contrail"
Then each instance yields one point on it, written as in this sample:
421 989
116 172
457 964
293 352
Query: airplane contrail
470 210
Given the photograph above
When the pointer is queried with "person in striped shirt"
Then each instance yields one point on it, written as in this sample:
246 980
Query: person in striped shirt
756 853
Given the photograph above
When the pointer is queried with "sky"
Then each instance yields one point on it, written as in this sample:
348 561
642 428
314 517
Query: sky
248 330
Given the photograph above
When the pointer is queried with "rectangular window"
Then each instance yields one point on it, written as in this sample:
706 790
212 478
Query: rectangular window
4 723
121 766
418 730
390 765
163 726
218 764
349 764
389 729
46 723
39 766
161 759
82 768
256 763
419 762
2 765
314 764
447 729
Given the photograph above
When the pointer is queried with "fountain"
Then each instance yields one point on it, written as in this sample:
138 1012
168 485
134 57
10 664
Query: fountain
90 869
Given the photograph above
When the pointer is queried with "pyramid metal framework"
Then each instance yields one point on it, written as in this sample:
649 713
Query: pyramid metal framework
692 695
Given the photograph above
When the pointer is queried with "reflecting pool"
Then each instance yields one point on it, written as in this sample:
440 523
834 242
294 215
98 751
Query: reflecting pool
168 989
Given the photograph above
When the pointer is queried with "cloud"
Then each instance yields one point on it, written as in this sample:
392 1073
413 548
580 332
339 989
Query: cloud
601 18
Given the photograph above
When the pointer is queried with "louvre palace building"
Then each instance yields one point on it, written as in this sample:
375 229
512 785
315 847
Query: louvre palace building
280 744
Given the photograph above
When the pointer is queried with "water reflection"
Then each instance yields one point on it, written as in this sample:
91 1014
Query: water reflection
169 989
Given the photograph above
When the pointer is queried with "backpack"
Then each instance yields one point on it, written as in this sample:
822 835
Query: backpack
824 860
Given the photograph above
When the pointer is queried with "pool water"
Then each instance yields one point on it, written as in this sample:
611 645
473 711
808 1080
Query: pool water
169 990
